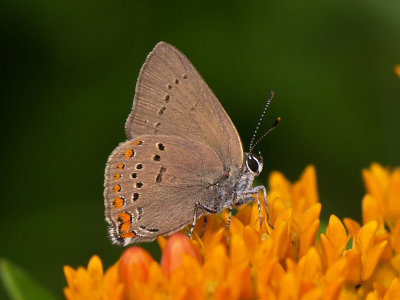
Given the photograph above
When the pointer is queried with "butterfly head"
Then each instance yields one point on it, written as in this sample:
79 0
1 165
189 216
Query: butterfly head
254 163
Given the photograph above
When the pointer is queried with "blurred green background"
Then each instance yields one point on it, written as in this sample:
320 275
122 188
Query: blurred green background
68 71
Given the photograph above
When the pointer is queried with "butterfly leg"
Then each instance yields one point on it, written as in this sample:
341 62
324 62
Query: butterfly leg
234 199
204 226
198 206
261 187
229 218
247 197
259 208
244 200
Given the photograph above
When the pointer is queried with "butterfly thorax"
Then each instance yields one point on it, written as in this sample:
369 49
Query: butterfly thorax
231 188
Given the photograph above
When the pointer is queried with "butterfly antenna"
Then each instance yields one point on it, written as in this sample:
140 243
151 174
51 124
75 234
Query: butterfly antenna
267 132
271 95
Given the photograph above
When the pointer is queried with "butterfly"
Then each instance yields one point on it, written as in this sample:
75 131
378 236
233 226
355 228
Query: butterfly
183 157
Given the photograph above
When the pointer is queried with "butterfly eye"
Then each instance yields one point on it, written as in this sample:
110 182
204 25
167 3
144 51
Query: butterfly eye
253 164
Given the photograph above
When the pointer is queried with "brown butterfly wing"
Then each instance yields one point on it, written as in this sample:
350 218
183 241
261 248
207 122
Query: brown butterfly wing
152 184
172 99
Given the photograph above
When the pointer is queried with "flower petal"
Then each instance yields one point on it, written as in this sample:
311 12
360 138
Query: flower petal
372 260
276 207
394 290
393 199
289 287
332 289
112 286
310 215
70 275
162 242
95 268
329 251
177 246
310 265
352 226
372 296
313 294
372 210
281 239
396 237
353 257
235 226
365 237
278 183
338 269
252 239
263 254
308 182
238 251
307 238
336 233
134 264
376 182
244 213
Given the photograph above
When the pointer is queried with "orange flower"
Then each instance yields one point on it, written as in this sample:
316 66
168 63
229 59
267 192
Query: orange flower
134 270
382 205
250 261
397 70
382 200
334 242
177 246
92 283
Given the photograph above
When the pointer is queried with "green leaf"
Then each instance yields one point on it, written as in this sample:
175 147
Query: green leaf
19 285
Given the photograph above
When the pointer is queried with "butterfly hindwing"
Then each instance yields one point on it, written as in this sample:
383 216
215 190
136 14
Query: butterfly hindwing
152 184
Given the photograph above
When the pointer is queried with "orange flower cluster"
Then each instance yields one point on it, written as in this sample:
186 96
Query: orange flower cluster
249 261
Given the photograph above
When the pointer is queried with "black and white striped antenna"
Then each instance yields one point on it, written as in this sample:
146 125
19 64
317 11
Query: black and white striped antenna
251 147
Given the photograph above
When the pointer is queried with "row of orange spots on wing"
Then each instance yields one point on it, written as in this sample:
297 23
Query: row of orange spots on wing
124 217
126 220
119 202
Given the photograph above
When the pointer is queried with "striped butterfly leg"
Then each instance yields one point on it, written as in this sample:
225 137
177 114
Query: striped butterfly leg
203 229
247 196
234 199
196 214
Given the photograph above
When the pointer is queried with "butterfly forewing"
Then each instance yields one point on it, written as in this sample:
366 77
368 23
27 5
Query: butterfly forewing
172 99
152 185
